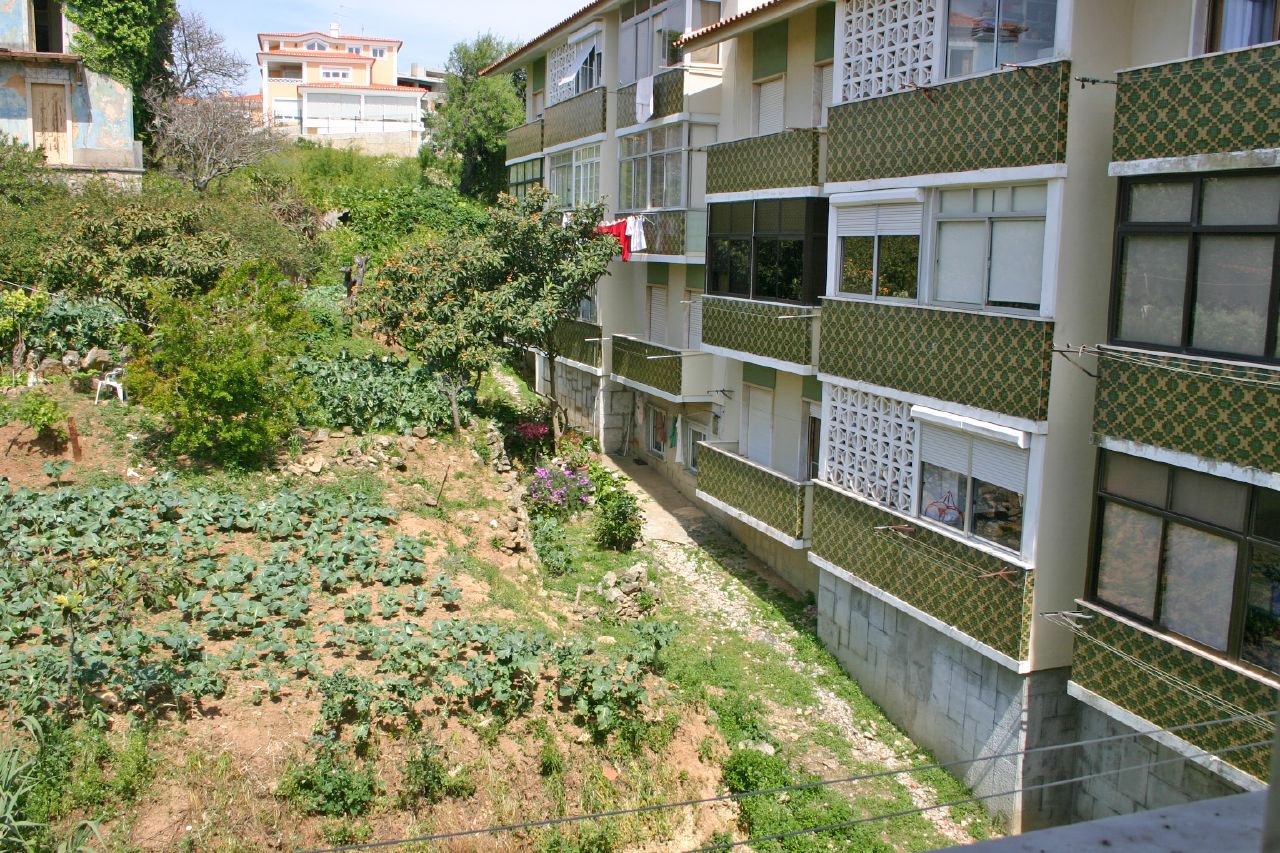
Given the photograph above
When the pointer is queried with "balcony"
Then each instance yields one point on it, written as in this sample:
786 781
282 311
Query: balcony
1169 685
742 328
1220 103
676 232
1223 412
668 98
972 591
676 375
761 497
1007 119
988 361
792 158
525 140
576 118
579 341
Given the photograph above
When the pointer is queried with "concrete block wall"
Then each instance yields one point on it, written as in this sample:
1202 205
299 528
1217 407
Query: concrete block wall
594 404
1164 778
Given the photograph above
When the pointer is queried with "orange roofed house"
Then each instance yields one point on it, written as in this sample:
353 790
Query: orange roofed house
340 89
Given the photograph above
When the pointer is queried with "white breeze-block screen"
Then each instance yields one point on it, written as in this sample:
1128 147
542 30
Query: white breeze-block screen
870 446
886 45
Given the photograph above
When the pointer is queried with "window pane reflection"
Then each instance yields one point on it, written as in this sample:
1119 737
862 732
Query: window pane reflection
1153 282
1129 559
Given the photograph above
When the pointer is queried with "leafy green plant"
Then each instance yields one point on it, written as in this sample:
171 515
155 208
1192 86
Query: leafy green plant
551 545
426 777
617 520
329 785
55 468
374 394
41 413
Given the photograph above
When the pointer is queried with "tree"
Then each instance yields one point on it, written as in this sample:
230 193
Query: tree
207 137
550 266
201 65
18 310
22 178
473 121
125 39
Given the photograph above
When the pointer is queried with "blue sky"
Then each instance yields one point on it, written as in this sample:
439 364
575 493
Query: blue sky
429 28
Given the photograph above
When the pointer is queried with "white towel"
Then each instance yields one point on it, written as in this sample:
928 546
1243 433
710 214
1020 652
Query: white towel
635 233
644 99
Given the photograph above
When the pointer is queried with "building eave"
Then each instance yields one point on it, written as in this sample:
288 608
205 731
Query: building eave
745 22
526 51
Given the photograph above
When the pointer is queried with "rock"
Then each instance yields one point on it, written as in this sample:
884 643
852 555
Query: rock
506 487
51 367
430 500
513 503
612 595
630 588
315 464
96 359
512 523
398 463
609 580
321 436
493 523
765 747
71 360
475 519
383 441
420 432
432 442
606 640
407 443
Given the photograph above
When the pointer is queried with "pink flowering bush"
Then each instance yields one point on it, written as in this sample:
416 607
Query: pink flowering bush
558 489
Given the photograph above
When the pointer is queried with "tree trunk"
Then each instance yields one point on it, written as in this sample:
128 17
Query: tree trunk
451 391
555 401
19 351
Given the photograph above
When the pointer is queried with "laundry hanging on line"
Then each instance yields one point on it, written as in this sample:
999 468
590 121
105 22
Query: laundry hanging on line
629 232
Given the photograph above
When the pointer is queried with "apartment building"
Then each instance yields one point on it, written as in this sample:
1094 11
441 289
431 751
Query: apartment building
341 90
975 340
82 120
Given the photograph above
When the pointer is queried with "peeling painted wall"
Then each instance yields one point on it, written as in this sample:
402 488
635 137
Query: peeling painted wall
101 115
14 114
14 25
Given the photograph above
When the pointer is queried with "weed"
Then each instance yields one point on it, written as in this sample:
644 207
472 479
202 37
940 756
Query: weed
550 758
329 785
617 518
552 546
342 832
427 778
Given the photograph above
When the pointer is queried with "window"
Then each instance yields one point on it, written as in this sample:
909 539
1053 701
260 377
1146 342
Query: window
574 68
770 249
378 52
879 250
657 432
317 45
522 176
870 447
47 17
757 425
973 485
812 446
656 314
353 49
286 109
706 13
587 308
1194 555
648 35
990 246
1240 23
652 169
697 433
1195 264
985 34
770 106
335 73
823 83
575 176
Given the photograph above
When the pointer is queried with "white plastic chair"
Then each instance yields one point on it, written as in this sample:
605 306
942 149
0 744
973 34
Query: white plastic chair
111 379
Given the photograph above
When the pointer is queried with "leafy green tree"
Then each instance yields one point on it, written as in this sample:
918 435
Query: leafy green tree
23 179
136 254
219 368
19 309
473 121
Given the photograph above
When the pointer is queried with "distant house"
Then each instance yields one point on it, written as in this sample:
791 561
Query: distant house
430 81
339 89
48 98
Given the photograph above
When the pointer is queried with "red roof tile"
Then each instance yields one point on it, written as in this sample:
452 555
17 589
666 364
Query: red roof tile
598 5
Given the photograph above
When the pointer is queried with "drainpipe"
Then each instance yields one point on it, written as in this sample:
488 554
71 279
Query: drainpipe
1271 824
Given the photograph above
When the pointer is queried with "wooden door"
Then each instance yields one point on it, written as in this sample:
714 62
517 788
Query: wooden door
49 121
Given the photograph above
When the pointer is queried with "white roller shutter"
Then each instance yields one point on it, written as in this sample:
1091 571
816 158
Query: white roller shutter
868 220
759 425
695 320
1003 465
771 107
900 218
826 93
944 448
858 221
658 315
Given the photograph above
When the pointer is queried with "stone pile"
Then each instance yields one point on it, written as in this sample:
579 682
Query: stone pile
632 593
380 452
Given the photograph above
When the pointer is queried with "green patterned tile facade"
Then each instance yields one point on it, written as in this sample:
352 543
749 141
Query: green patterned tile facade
992 362
666 232
1012 118
579 341
1223 102
524 140
631 361
668 98
1216 411
1212 691
779 160
754 328
927 570
576 118
765 496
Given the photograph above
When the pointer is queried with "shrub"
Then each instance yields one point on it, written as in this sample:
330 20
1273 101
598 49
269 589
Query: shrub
41 413
551 545
556 489
330 785
617 521
79 325
218 370
371 394
426 777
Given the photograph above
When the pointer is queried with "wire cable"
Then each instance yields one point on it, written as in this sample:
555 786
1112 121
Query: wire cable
907 812
741 795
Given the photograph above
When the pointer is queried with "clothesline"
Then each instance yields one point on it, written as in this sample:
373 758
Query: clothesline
629 233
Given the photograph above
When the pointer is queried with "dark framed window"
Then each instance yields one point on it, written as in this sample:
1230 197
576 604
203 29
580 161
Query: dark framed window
1195 264
985 34
522 176
772 249
1190 554
1241 23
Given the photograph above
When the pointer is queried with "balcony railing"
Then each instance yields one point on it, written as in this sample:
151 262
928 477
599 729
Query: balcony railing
674 374
1224 102
742 327
668 98
1213 410
524 140
1005 119
792 158
580 341
1171 686
777 504
994 362
576 118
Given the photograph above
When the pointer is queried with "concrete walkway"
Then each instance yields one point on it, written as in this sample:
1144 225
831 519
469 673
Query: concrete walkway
668 515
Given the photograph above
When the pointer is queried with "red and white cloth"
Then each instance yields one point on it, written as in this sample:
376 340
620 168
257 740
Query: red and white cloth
629 233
